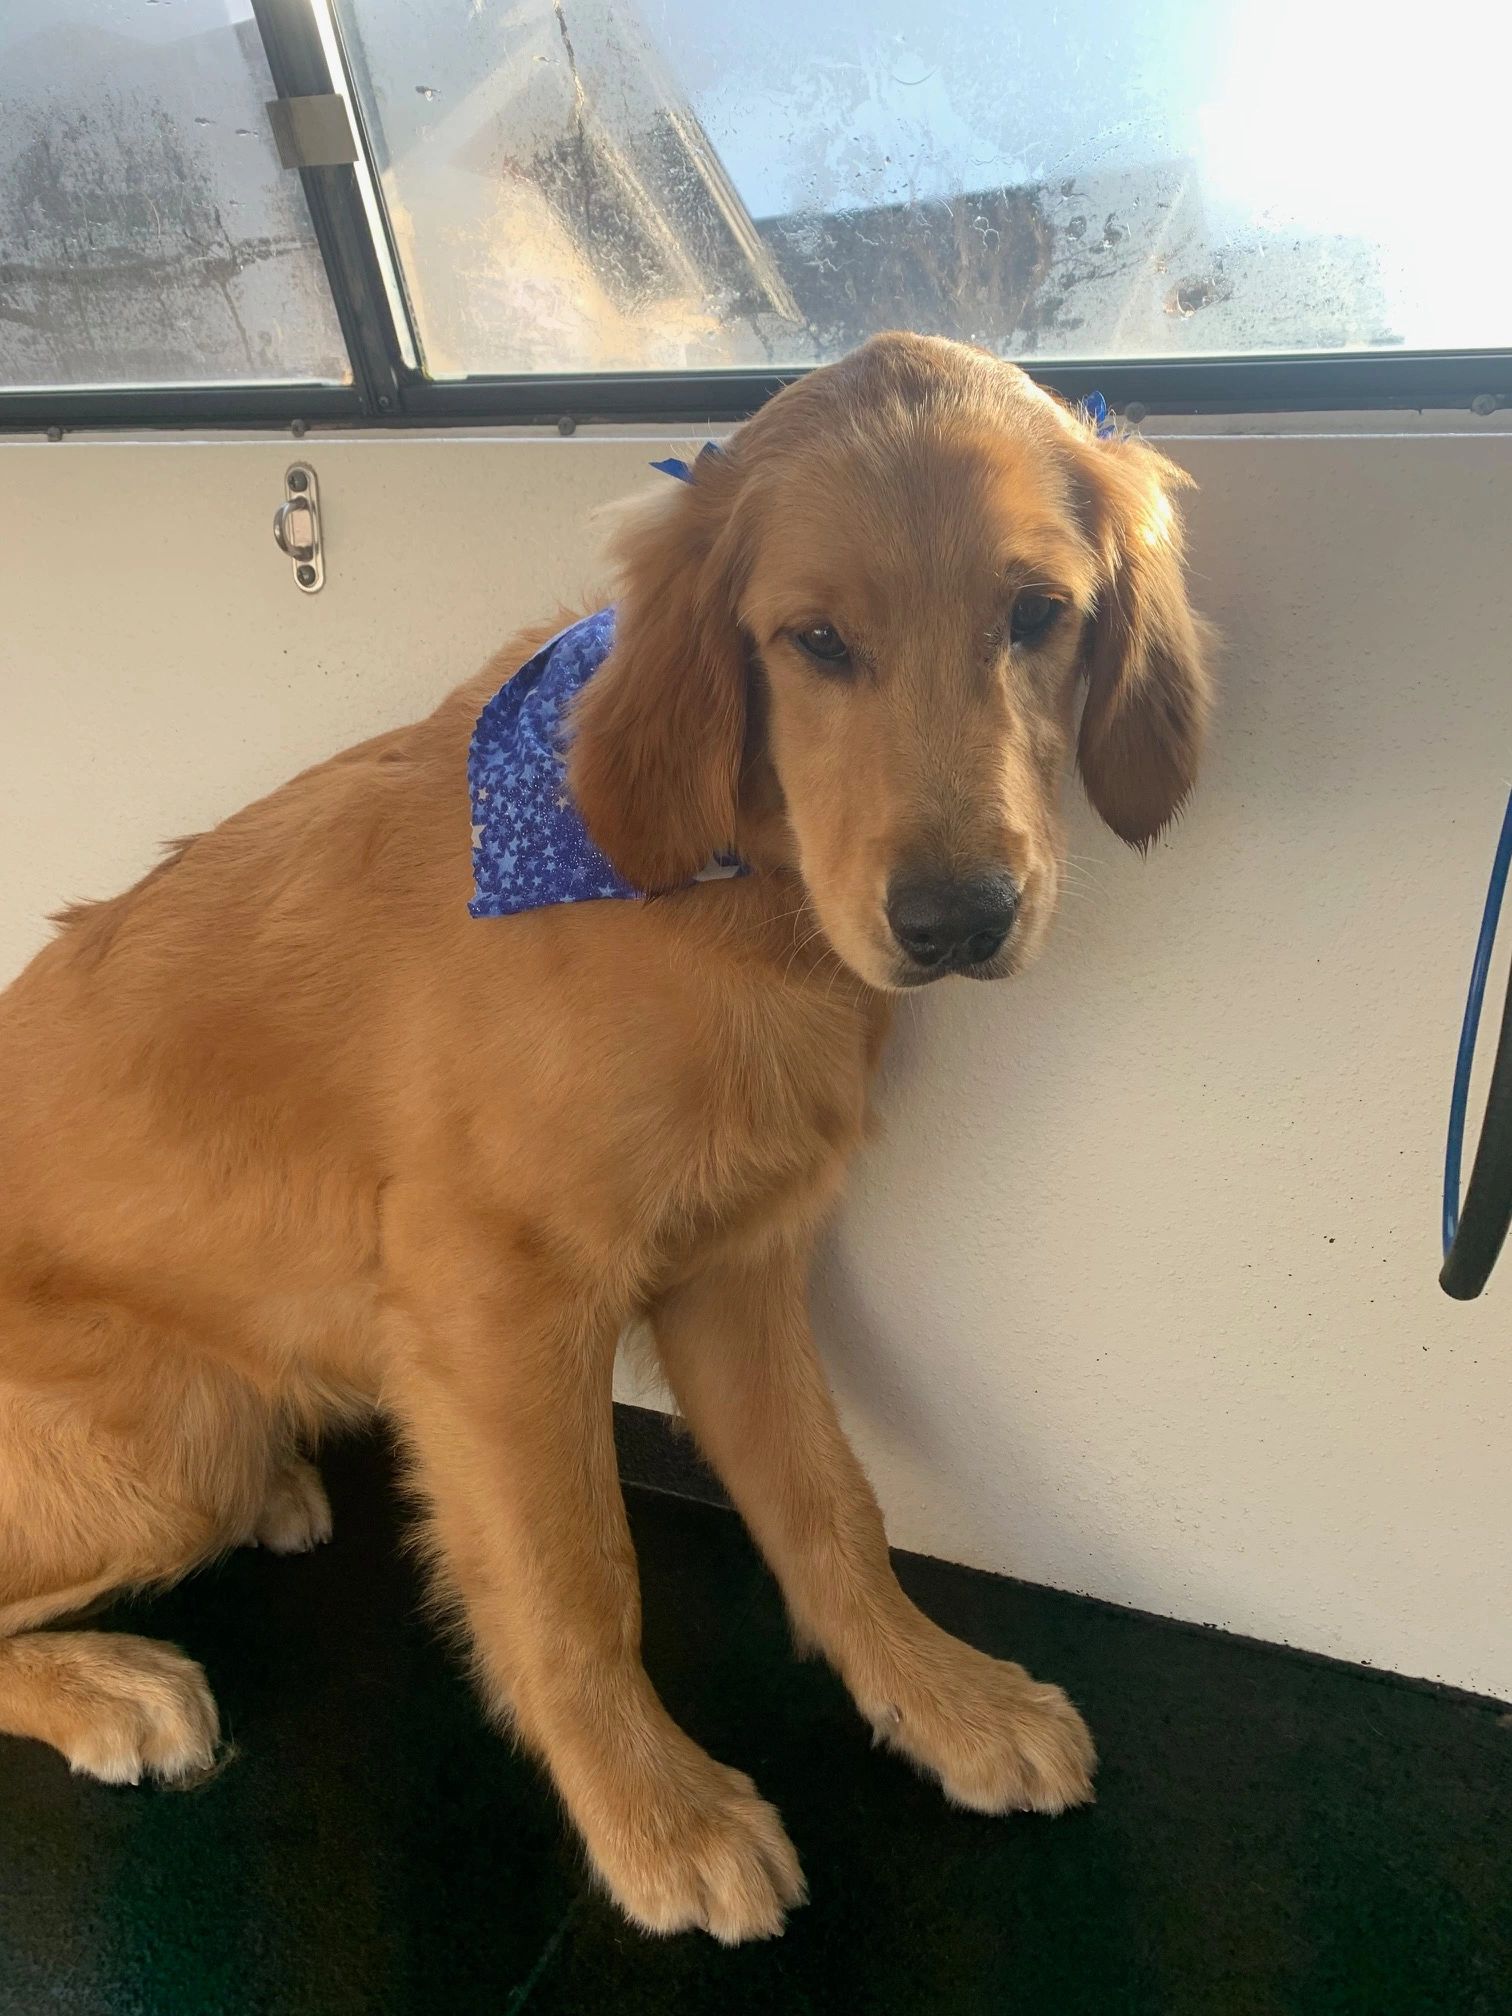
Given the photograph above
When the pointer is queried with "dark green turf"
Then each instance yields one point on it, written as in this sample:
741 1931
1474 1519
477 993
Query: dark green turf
1273 1834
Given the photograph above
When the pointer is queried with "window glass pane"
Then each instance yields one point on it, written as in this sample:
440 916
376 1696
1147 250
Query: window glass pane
148 235
594 185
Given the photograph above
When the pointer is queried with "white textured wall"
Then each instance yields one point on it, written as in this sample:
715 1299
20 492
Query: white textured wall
1136 1294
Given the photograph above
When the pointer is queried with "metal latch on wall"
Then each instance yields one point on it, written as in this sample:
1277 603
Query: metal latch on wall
296 527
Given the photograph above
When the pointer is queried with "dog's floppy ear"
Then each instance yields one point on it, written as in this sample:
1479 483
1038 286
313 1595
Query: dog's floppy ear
1148 688
659 732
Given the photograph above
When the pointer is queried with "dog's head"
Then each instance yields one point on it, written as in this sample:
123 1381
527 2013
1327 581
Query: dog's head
854 642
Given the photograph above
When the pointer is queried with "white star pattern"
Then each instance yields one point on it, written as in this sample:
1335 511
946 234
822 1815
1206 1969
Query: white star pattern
530 846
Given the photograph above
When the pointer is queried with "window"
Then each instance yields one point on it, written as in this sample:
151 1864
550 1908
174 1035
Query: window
591 185
148 235
1232 202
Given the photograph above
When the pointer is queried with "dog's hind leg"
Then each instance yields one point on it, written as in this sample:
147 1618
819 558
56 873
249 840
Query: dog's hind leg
110 1487
296 1514
119 1708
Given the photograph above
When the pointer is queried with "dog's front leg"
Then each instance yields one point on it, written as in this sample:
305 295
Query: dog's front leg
737 1349
502 1382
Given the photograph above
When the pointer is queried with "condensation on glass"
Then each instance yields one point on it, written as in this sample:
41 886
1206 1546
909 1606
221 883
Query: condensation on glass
589 185
148 235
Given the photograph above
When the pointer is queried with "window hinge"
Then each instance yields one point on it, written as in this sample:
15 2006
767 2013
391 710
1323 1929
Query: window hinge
313 131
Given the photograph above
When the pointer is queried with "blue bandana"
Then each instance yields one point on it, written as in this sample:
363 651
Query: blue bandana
530 846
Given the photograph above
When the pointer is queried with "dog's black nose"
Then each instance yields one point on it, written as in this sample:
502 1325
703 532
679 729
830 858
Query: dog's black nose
948 926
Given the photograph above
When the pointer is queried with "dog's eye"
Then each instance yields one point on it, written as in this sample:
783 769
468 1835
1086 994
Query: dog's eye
824 642
1033 616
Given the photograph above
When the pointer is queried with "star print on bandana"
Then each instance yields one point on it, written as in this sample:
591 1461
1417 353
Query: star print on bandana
530 847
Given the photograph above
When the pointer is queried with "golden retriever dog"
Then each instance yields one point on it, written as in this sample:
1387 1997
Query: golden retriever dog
287 1134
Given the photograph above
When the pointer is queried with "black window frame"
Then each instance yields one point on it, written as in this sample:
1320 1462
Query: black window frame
386 392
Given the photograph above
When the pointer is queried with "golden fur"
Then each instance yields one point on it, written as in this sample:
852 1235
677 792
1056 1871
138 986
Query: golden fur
287 1135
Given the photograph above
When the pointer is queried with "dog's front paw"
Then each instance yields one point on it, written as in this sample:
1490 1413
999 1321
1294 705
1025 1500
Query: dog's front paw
699 1849
997 1740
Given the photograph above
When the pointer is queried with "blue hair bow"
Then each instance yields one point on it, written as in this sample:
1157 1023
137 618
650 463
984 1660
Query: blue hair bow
674 465
1095 408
